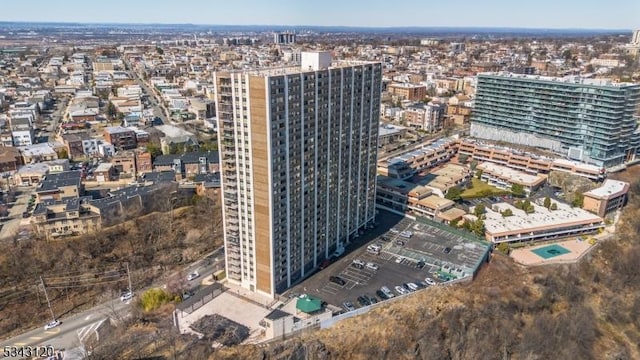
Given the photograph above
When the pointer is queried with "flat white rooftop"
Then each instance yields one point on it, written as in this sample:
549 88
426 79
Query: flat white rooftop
386 130
542 218
172 131
510 174
608 189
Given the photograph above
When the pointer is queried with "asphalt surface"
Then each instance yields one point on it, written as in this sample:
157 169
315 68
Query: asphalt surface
397 261
67 335
11 226
361 281
155 100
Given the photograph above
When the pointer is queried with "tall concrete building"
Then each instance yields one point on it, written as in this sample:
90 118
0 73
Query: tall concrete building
590 120
298 164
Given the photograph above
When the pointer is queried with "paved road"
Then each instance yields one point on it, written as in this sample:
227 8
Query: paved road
155 100
68 334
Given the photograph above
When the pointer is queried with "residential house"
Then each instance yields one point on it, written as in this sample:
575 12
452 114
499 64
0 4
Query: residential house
189 164
10 159
121 138
60 186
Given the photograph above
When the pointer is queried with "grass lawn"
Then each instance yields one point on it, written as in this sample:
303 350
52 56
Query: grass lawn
482 189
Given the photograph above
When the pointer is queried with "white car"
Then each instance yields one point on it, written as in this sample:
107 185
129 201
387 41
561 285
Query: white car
52 324
193 275
429 281
412 286
401 291
126 296
372 266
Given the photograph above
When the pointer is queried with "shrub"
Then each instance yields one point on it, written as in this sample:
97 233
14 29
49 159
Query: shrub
152 299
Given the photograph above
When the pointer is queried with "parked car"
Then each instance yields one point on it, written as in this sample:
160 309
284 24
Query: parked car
52 324
387 292
338 280
348 305
381 294
372 266
401 290
412 286
446 250
194 275
400 242
372 299
421 264
363 300
325 264
126 295
429 281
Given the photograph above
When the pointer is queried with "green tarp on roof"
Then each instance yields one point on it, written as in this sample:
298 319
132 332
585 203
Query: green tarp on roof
308 304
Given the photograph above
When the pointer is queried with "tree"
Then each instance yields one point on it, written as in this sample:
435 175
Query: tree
112 112
154 150
478 210
463 158
453 193
554 206
504 248
159 51
517 190
578 200
547 202
478 228
479 174
153 299
473 165
507 213
63 154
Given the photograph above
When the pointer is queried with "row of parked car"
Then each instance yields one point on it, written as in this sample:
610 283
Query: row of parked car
385 292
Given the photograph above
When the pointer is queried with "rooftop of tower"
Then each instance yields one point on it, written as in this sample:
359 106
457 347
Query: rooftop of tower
573 79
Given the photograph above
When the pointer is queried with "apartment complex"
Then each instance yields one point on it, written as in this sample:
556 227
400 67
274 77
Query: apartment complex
589 120
298 164
400 197
611 196
527 162
504 177
542 224
407 165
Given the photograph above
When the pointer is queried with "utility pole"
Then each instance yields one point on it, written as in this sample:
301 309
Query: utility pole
129 277
47 297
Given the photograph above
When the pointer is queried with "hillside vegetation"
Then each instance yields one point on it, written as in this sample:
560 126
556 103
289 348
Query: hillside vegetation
589 310
153 245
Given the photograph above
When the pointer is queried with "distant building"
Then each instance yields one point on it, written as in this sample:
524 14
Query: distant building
284 38
408 91
611 196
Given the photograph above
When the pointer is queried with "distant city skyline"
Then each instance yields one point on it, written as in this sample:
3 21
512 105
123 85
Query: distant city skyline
551 14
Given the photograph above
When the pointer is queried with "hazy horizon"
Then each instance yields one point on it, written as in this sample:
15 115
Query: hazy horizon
541 14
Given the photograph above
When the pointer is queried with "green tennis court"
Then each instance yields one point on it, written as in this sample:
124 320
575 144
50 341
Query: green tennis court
550 251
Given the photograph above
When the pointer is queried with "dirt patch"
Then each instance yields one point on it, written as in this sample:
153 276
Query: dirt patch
222 330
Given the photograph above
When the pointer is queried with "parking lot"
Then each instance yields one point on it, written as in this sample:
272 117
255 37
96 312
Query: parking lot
430 251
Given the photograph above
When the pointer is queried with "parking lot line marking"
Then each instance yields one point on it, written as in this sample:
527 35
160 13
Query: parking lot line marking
36 337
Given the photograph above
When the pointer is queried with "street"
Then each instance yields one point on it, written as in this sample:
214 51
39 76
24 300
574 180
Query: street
155 100
68 335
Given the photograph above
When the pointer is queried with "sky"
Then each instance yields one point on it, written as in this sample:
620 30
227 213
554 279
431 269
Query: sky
576 14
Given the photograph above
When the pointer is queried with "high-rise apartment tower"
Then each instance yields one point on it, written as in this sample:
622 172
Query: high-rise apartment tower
590 120
298 163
